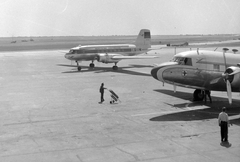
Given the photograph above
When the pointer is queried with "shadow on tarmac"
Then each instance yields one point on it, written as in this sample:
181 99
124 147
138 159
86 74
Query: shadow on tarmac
210 111
216 101
199 114
108 69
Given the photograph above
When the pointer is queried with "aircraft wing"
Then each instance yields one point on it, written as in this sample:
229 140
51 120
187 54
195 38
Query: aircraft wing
133 57
63 52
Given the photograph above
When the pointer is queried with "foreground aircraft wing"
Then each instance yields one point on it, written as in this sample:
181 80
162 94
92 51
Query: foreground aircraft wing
133 57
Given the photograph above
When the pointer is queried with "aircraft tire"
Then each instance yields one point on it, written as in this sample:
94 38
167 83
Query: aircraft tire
115 68
197 95
79 68
91 65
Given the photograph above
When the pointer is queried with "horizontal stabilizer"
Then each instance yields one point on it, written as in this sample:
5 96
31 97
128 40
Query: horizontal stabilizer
67 65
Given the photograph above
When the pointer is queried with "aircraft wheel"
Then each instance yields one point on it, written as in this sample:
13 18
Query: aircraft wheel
115 68
198 95
91 65
79 68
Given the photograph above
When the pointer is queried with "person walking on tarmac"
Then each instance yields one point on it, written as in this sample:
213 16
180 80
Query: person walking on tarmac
101 90
223 123
207 93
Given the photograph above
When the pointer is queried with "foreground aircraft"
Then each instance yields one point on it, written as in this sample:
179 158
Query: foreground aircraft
112 53
202 70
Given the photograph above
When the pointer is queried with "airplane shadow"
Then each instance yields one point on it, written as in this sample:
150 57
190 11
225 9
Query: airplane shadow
210 111
217 101
122 70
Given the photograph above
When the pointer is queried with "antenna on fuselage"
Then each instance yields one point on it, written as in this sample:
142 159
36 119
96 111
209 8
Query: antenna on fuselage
234 51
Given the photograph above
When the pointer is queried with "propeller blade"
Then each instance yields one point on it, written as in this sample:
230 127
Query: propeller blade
229 92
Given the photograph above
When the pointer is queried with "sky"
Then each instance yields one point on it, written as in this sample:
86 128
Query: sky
118 17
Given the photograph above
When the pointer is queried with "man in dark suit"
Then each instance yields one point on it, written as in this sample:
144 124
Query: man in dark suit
101 90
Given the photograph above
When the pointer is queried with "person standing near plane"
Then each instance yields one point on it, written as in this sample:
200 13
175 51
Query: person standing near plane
207 93
223 123
101 90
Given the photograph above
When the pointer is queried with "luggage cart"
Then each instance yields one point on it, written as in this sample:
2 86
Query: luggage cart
114 97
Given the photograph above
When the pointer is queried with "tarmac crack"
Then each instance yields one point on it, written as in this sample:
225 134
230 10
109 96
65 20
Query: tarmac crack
134 156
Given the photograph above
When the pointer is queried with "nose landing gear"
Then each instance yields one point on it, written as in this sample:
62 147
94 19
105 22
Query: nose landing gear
91 65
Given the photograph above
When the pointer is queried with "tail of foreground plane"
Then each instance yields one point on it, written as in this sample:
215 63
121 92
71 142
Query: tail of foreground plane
143 40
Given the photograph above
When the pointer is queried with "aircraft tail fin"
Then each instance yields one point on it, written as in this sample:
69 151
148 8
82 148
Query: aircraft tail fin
143 40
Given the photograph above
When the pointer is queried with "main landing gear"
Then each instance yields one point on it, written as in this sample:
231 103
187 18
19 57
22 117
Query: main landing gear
80 68
115 67
198 95
91 65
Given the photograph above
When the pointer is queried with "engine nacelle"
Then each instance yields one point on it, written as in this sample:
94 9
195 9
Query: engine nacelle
106 58
235 78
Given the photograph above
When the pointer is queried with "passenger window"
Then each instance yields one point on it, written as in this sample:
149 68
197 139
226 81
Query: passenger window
216 67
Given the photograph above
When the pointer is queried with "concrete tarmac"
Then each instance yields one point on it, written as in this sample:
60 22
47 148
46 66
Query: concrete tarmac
50 112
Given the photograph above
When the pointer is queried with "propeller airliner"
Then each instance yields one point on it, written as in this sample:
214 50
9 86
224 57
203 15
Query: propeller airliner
202 70
112 53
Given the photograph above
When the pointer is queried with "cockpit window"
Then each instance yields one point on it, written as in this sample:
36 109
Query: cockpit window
183 61
71 51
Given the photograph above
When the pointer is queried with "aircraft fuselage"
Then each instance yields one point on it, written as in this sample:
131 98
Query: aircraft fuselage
198 70
91 52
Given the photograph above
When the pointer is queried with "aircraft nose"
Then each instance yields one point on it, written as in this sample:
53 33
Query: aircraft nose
154 72
66 55
158 71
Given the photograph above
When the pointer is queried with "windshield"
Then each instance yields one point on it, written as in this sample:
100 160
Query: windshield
71 51
182 60
179 60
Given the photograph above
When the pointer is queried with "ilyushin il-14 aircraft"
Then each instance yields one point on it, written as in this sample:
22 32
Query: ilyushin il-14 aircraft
202 70
112 53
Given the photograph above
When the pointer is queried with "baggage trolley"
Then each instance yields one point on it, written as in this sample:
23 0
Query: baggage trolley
114 97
